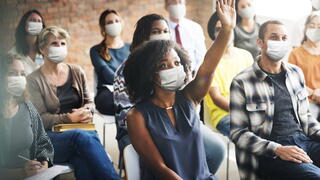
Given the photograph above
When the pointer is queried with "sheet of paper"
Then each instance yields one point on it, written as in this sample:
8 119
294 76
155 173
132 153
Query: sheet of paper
50 173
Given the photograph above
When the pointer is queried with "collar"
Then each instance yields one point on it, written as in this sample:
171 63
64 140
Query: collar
261 75
173 25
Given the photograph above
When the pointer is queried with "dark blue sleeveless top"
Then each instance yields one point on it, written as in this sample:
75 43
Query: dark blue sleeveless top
182 147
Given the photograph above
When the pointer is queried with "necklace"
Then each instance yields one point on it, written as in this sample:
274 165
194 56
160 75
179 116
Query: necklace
168 108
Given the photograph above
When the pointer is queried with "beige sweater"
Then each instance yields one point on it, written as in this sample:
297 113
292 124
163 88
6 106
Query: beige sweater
44 96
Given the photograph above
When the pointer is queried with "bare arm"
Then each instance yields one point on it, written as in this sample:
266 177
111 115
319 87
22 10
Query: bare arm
143 144
199 87
218 99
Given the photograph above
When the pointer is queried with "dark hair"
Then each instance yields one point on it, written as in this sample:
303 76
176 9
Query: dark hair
143 29
21 33
212 25
264 26
142 65
104 51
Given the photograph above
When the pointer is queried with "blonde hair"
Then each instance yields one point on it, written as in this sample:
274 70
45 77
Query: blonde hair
309 19
44 35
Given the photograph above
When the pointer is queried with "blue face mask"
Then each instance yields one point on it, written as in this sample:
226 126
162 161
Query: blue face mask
172 79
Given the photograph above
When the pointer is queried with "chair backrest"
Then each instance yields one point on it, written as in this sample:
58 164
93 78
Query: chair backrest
131 162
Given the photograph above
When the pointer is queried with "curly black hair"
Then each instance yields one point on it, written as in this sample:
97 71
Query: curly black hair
142 65
21 33
143 29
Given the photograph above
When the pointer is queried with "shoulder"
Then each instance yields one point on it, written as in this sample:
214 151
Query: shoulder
75 68
297 50
245 75
134 114
292 67
35 75
192 24
95 48
243 53
32 109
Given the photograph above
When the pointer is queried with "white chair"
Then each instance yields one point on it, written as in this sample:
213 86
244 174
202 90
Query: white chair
131 162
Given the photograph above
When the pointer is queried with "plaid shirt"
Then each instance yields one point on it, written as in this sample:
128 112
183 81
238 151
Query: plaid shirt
252 111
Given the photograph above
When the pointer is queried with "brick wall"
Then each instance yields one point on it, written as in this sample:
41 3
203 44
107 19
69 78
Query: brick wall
80 18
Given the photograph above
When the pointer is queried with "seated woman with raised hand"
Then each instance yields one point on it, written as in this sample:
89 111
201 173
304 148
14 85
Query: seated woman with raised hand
164 126
155 27
21 130
59 92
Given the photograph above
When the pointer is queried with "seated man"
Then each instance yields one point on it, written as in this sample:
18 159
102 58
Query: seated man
274 132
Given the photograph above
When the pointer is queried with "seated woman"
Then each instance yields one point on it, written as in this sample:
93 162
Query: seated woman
247 28
26 34
307 57
106 57
21 130
155 27
164 126
59 92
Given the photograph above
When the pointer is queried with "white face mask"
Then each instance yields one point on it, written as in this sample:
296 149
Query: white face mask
247 13
57 54
16 85
162 36
277 49
113 29
177 11
313 34
316 4
172 79
34 28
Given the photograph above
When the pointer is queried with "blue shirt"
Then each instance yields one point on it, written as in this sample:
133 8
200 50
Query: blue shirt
104 69
181 147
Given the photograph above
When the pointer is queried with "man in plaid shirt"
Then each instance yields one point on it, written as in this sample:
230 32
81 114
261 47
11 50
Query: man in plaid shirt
275 135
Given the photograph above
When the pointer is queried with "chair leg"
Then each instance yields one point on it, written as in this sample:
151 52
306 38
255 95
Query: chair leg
120 165
104 135
228 156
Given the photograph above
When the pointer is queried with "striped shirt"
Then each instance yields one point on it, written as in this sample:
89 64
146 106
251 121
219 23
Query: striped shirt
252 112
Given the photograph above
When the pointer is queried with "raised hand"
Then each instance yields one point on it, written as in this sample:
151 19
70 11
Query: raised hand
227 13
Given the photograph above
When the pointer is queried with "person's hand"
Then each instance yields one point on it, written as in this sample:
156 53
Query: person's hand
292 153
227 13
316 95
81 115
33 167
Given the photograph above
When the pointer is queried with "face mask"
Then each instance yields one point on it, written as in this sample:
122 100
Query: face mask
34 28
16 85
177 11
316 4
313 34
172 79
247 13
113 29
57 54
277 49
163 36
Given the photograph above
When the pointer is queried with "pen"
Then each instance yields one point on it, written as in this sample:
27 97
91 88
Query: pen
22 157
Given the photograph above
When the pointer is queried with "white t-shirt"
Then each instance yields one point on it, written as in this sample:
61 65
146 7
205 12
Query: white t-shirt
192 39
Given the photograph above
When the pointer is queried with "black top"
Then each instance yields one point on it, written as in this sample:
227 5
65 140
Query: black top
68 96
284 121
